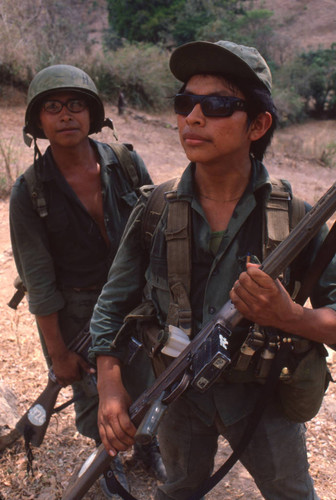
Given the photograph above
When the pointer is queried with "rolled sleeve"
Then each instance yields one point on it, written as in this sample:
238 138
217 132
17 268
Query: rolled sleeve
31 253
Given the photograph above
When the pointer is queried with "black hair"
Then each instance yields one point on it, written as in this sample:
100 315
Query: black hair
258 100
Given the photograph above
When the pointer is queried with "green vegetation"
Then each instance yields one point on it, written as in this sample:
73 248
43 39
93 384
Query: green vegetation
136 46
328 156
312 76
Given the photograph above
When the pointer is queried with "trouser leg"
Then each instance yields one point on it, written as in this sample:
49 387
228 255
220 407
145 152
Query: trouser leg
86 409
276 456
188 448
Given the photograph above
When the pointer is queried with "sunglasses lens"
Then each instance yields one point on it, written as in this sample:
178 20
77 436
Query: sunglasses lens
216 106
183 104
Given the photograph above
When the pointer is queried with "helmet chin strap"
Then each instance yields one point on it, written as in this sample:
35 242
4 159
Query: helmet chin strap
27 138
37 153
109 123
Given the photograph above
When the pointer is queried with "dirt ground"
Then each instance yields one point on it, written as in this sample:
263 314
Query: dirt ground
22 366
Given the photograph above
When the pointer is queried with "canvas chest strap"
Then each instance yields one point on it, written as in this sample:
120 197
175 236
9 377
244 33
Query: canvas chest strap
178 241
282 212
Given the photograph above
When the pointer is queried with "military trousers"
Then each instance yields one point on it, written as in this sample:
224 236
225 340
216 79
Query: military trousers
276 456
137 377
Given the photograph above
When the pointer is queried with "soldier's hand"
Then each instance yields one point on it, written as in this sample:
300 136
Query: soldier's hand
69 366
261 299
115 427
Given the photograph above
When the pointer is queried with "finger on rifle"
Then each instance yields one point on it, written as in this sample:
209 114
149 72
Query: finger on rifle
115 438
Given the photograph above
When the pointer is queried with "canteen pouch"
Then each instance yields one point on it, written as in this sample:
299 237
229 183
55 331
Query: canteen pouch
301 395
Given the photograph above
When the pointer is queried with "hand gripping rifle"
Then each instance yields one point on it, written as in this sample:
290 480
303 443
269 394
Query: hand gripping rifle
185 369
33 424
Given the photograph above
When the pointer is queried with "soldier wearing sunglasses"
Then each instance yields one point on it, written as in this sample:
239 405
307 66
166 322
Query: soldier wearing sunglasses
226 118
66 230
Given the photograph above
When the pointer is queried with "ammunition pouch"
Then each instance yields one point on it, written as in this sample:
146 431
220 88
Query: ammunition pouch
303 380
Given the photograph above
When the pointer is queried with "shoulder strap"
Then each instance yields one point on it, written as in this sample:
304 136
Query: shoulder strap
36 191
126 160
282 212
178 241
154 209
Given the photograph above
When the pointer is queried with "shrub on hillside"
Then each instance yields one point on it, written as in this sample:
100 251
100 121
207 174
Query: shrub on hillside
140 71
312 76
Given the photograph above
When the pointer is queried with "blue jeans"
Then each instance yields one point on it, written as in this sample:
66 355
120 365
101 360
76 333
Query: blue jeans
276 456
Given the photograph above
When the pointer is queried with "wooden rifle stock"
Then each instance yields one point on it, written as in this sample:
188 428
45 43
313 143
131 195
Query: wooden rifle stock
228 317
34 423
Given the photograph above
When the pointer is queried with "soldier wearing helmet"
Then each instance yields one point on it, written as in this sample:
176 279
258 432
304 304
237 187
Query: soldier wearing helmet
67 218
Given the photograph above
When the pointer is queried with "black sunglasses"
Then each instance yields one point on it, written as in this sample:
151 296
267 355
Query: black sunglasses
211 105
74 105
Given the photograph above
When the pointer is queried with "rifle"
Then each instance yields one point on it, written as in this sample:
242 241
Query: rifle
147 410
34 423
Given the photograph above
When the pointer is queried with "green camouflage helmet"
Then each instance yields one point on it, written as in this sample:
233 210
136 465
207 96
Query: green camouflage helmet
61 77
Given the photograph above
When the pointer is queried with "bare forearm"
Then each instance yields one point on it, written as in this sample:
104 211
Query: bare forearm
115 427
109 372
314 324
51 332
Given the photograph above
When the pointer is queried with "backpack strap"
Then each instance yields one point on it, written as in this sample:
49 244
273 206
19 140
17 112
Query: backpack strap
35 189
282 212
126 160
178 240
154 209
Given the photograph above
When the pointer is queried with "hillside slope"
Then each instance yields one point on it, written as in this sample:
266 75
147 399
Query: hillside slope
303 24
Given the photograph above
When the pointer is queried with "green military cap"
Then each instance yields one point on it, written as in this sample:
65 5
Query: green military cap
222 57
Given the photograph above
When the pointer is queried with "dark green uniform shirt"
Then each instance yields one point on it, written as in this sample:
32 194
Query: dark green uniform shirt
66 249
212 280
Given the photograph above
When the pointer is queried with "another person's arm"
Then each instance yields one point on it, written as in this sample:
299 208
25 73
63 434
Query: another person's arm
122 292
35 266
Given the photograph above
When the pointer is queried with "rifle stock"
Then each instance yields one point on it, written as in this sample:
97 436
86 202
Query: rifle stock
34 423
228 317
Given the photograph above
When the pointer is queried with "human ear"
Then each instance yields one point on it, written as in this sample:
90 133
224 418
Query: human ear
260 125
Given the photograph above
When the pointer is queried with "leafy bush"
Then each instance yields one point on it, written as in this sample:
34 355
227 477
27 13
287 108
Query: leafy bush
290 106
139 70
328 156
312 76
